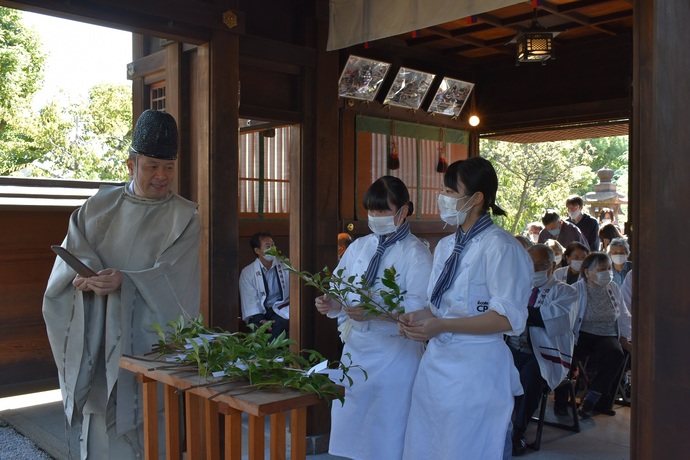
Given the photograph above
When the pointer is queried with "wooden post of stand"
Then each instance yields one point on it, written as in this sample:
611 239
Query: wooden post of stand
233 431
256 437
278 436
192 424
149 387
211 431
298 432
172 422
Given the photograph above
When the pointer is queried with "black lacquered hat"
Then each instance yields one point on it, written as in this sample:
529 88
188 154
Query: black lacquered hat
155 135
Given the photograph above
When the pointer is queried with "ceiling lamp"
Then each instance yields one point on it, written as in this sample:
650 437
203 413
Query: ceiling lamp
534 44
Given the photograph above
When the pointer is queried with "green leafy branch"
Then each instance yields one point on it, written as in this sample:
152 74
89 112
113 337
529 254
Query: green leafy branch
254 357
338 287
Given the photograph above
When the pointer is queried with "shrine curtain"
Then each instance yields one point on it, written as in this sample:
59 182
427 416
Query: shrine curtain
358 21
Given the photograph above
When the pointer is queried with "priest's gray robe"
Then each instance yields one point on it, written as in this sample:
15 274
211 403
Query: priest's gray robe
155 244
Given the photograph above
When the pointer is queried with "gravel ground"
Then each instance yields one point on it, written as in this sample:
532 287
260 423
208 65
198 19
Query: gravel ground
17 447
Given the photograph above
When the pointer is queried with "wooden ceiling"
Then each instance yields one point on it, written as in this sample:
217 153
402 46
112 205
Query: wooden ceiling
486 36
592 64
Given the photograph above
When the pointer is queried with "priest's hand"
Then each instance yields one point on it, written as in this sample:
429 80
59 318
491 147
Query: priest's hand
79 282
106 282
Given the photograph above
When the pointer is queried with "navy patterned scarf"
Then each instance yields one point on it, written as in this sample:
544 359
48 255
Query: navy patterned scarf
450 269
384 243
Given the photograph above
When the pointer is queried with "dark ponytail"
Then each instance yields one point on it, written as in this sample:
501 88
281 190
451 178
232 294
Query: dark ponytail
478 175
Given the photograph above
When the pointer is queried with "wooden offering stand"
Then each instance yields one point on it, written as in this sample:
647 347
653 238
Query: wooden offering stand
228 398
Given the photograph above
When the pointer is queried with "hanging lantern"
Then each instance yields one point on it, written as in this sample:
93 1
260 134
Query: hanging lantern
393 160
442 163
534 44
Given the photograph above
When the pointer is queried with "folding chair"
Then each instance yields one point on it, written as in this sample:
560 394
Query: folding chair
575 426
622 396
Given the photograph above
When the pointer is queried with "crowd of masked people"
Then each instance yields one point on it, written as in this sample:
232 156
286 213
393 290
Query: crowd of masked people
594 274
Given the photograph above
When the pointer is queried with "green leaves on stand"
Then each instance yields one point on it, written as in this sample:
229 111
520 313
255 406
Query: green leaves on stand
247 356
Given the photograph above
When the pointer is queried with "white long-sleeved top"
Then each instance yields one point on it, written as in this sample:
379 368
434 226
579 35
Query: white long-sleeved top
626 290
371 424
253 290
463 394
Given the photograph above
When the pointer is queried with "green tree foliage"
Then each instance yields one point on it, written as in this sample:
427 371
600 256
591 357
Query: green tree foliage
84 140
72 140
21 75
21 64
535 177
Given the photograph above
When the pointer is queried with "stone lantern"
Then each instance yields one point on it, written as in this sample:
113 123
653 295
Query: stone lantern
605 196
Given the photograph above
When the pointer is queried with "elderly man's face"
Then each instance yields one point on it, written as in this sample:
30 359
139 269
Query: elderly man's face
540 260
152 177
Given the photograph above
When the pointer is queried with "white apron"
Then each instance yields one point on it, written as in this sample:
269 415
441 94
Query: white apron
462 398
371 423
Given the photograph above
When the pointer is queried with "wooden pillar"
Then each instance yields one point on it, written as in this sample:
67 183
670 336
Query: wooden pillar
319 171
222 232
661 199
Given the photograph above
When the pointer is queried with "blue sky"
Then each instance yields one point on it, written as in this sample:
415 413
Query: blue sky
79 56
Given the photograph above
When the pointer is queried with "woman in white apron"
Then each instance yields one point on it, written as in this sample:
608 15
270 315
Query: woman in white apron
462 398
371 423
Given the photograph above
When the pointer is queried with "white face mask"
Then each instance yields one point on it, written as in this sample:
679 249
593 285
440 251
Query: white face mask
576 265
557 259
605 221
449 212
619 259
534 237
603 278
269 257
555 232
574 215
382 225
540 278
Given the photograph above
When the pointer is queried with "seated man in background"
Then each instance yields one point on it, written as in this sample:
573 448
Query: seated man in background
543 352
265 288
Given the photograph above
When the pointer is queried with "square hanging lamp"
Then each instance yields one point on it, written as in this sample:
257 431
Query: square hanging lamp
534 44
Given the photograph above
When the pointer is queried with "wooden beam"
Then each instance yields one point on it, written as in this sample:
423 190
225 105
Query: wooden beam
553 116
114 17
199 149
224 270
143 66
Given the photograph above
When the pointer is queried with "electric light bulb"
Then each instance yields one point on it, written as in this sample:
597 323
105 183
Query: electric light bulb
474 120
